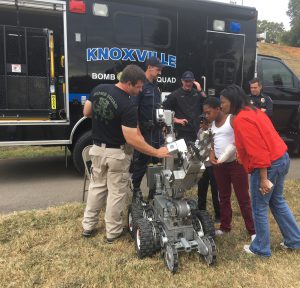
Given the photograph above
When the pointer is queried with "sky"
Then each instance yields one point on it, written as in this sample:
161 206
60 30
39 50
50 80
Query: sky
270 10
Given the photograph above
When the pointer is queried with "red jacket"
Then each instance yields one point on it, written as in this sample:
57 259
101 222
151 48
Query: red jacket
257 142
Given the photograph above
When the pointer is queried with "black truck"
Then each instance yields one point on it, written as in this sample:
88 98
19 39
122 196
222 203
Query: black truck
53 53
283 86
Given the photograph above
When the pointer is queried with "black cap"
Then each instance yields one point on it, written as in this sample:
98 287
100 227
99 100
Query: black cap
188 75
154 61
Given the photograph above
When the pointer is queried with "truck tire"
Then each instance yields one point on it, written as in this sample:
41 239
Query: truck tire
84 140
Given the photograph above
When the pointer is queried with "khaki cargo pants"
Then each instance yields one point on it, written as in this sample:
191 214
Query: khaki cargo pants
109 183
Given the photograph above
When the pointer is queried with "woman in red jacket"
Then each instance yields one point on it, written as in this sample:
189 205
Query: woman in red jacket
264 155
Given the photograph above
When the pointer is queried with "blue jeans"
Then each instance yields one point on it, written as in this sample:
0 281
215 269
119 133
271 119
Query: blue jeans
275 200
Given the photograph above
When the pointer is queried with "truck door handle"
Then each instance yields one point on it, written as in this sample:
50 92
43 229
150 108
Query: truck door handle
204 83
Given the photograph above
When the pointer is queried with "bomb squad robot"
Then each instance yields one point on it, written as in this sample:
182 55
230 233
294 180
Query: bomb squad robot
170 222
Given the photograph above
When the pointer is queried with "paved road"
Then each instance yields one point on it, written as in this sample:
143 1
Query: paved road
37 183
42 182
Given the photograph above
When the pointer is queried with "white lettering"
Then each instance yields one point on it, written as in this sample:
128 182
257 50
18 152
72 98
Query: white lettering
103 76
166 80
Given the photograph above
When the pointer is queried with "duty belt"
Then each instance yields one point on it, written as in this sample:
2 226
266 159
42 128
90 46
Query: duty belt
106 145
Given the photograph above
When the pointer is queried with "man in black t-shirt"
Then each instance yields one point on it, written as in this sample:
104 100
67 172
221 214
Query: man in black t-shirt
187 103
114 123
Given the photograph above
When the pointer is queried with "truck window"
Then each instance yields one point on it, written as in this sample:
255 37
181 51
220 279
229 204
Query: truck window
224 72
15 46
36 53
1 52
142 30
156 32
128 29
276 73
2 71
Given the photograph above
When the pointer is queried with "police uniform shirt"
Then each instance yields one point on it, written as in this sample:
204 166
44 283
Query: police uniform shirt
112 108
147 101
186 105
262 101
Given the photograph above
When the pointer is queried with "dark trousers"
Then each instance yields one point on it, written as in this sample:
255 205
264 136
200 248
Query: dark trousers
206 179
188 136
225 175
140 161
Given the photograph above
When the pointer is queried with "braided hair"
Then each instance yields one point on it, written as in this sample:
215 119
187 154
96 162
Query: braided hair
237 98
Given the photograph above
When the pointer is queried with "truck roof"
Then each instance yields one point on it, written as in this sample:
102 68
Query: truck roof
238 11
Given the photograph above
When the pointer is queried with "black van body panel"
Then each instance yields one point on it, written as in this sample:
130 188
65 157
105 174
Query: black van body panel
190 42
181 32
283 86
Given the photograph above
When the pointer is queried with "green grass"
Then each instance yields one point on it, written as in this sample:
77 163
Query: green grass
45 249
29 151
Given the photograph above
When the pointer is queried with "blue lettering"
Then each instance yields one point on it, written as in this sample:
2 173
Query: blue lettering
172 61
141 56
128 54
163 59
115 54
90 54
103 53
152 54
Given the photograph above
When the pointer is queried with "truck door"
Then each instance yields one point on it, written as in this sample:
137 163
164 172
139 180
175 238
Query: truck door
281 84
32 54
224 60
26 73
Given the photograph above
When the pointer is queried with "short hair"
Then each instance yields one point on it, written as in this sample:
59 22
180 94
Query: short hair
133 74
255 80
212 102
237 98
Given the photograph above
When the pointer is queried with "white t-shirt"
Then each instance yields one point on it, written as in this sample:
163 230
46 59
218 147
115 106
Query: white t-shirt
223 136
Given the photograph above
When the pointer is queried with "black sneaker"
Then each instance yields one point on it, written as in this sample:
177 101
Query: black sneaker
112 240
87 233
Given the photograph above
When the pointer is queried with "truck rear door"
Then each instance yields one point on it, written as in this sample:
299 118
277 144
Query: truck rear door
25 73
224 60
31 70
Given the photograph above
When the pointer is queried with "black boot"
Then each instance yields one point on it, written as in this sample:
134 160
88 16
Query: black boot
137 195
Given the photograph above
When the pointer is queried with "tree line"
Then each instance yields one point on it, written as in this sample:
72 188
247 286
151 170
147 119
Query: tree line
276 33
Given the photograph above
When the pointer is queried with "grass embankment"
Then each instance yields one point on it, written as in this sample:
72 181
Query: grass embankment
29 151
45 249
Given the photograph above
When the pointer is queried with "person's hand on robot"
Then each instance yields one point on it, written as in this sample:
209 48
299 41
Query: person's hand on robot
182 122
163 152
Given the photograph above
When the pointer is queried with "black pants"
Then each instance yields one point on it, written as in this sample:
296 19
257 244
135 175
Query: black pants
140 161
188 136
206 179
